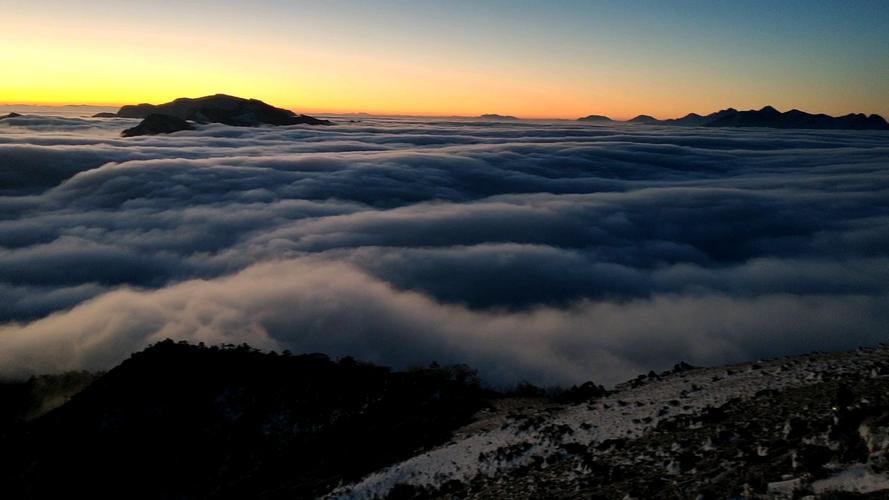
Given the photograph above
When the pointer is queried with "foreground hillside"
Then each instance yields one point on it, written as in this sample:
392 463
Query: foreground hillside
785 428
185 421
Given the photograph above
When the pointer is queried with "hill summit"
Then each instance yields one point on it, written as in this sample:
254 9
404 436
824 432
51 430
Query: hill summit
186 421
221 108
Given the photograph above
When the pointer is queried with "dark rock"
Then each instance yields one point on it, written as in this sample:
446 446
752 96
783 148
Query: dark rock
879 369
529 390
618 443
105 115
811 458
682 366
679 367
10 115
221 108
713 414
766 393
574 448
687 460
796 428
158 124
585 392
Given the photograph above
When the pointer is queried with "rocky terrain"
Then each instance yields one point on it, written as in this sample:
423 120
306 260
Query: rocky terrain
815 426
185 421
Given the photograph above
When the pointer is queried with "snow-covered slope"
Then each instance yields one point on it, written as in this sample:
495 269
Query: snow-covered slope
813 424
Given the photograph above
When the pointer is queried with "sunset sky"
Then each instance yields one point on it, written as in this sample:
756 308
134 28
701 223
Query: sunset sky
560 59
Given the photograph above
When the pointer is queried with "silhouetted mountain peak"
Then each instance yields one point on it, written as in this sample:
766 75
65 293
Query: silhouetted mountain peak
767 116
594 118
222 108
643 119
10 115
769 110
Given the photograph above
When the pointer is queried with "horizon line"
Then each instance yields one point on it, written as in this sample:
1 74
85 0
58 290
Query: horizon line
328 111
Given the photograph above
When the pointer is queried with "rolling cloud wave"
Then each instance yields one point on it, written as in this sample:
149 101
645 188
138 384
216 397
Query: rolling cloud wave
553 252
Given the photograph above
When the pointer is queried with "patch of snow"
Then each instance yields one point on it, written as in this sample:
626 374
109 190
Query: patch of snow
783 489
628 413
876 439
856 479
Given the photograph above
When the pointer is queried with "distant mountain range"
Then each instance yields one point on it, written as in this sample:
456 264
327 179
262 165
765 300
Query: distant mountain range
771 118
237 111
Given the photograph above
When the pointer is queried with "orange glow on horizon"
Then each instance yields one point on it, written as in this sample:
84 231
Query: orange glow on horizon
55 64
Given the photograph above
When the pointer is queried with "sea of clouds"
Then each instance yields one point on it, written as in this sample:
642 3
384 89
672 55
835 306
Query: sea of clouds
553 252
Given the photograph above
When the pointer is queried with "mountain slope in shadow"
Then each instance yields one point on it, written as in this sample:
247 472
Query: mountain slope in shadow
184 421
154 124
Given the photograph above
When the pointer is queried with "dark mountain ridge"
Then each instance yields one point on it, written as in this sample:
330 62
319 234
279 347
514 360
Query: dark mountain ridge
221 108
770 117
185 421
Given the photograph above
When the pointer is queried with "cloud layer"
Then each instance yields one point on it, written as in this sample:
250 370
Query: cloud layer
552 252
